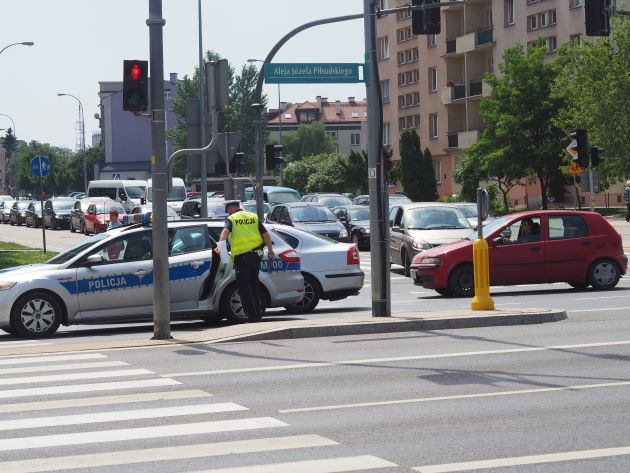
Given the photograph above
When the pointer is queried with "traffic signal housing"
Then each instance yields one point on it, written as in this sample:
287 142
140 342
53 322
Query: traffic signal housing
596 157
425 21
596 17
581 147
237 163
270 156
135 85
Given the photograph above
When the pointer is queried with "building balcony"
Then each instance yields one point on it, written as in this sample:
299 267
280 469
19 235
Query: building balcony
465 43
467 138
452 139
454 92
484 37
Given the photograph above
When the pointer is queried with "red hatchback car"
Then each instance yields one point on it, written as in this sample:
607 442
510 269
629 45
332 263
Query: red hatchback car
96 219
579 248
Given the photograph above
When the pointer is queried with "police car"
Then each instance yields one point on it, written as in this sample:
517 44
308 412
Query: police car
109 278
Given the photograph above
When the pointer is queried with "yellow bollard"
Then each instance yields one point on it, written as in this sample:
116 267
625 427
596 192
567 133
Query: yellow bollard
481 269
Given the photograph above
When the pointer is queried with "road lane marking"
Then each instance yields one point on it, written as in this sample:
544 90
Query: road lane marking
81 388
526 460
119 435
24 360
327 465
128 457
115 416
452 398
322 364
74 376
70 366
22 343
102 401
598 310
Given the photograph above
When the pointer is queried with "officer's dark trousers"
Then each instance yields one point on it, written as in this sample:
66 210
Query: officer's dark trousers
247 266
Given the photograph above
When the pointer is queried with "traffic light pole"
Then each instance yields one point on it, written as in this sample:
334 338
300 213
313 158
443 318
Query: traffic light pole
161 296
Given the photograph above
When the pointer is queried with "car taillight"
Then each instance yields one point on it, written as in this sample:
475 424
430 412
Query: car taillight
290 256
353 255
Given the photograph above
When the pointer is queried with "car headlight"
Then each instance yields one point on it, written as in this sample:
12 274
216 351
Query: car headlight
5 286
433 260
365 230
421 245
343 233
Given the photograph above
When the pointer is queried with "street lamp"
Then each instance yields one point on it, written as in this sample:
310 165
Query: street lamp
23 43
279 115
85 183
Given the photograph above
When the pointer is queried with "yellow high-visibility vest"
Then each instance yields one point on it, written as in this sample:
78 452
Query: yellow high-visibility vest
245 235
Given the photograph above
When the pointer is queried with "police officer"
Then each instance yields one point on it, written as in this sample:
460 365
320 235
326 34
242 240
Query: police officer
246 235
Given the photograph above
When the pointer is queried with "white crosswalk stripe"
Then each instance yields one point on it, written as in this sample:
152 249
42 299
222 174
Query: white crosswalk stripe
161 415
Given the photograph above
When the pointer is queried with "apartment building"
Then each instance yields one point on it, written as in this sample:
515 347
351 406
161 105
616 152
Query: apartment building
434 84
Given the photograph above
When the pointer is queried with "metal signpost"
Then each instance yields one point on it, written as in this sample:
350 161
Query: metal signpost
40 167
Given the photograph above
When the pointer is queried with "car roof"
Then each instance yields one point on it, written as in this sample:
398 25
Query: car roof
414 205
302 204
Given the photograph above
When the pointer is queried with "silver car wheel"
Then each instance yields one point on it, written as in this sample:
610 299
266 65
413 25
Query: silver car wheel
38 316
604 274
236 305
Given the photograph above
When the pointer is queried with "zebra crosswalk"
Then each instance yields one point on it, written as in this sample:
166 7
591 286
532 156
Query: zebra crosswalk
84 411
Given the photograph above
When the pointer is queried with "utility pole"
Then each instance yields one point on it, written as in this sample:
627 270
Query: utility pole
203 165
161 296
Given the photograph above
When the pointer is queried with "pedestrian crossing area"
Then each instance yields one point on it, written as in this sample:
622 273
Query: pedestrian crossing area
85 412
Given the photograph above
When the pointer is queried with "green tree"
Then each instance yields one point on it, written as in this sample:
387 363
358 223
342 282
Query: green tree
428 184
594 82
410 166
94 155
357 172
328 174
522 137
310 139
60 178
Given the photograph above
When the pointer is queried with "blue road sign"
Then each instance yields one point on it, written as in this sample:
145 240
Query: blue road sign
41 166
116 175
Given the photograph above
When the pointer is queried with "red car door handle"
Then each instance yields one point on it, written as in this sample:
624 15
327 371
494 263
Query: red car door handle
535 248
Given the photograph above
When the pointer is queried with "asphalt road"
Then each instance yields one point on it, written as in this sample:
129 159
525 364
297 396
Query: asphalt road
538 398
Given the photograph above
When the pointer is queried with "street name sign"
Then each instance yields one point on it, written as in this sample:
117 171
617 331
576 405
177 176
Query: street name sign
312 73
40 166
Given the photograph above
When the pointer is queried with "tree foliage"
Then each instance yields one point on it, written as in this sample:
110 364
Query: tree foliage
411 165
310 139
595 84
428 184
60 178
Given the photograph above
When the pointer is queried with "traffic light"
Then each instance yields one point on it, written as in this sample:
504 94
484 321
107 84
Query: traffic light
596 16
278 160
425 21
581 147
596 157
135 85
270 156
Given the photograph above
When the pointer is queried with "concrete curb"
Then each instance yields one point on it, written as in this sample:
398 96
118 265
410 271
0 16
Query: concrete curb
342 325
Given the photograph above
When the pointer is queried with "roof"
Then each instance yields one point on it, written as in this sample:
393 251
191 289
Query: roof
349 112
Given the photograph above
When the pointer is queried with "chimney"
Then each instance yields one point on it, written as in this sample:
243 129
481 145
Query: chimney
173 78
338 107
319 102
351 99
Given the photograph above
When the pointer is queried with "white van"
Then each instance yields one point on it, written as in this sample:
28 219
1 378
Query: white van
175 198
129 193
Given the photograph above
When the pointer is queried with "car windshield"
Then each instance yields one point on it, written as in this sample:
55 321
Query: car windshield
360 214
312 214
335 201
73 251
399 198
435 218
216 209
135 192
104 208
23 205
251 207
279 197
63 204
175 195
470 211
489 229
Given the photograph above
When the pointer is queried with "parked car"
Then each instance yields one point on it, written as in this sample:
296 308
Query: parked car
96 218
174 198
57 212
579 248
393 199
191 208
356 219
5 210
18 212
331 269
5 197
109 278
330 200
146 209
250 206
420 226
274 194
317 218
79 209
128 193
34 214
469 209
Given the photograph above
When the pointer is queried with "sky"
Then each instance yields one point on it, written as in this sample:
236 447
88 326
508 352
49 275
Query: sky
81 42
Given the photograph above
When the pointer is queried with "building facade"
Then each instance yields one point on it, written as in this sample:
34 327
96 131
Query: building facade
344 122
434 83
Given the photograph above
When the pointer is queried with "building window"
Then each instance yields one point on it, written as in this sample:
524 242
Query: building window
407 56
403 15
433 125
383 48
387 134
551 44
404 34
431 40
508 10
402 123
433 79
355 139
416 121
385 90
437 170
409 77
332 134
575 39
575 3
532 22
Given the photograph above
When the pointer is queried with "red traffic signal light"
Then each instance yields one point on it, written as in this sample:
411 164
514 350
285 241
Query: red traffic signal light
135 85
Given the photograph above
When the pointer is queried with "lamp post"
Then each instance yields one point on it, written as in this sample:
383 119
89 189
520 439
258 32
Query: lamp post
85 183
23 43
279 116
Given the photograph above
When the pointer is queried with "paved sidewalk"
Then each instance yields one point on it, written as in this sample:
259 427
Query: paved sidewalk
340 325
623 227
